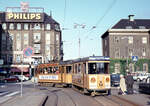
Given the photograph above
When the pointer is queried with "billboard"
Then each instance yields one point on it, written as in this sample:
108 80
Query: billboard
24 17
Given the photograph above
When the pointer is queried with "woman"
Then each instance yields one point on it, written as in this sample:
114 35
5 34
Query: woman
122 85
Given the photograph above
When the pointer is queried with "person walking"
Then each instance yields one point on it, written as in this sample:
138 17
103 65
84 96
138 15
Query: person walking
129 83
122 85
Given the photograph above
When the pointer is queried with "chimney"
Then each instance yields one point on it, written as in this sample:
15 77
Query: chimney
131 17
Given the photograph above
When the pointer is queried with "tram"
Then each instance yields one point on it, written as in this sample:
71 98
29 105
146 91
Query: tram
55 73
48 74
91 75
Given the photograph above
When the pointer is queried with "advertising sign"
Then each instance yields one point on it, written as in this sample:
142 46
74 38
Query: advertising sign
24 17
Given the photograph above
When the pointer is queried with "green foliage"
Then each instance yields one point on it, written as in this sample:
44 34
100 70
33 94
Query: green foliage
123 65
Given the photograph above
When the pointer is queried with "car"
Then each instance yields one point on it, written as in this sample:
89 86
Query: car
144 87
115 79
22 77
141 77
11 79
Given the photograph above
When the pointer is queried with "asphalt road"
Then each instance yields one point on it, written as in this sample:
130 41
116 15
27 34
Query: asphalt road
68 96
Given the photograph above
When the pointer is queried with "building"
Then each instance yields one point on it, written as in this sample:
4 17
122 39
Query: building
29 36
128 38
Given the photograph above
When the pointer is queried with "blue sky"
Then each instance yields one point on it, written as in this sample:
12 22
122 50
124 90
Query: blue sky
102 13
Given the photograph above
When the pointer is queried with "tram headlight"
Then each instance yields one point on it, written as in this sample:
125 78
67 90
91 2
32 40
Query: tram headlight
107 79
93 80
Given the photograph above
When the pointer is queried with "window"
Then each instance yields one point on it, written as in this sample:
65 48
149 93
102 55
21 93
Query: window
26 26
130 41
56 27
37 26
143 52
130 52
4 26
37 48
47 38
37 37
144 40
116 39
145 67
142 27
18 42
18 26
117 53
128 27
117 68
48 26
18 58
11 26
26 37
57 37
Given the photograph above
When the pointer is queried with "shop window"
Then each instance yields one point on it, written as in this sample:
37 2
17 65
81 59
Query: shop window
11 26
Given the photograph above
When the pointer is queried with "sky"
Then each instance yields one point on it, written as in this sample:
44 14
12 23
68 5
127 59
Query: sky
100 13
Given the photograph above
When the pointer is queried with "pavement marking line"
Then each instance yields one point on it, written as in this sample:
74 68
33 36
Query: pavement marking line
5 93
4 99
14 93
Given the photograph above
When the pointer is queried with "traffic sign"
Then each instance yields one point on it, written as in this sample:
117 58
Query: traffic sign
28 52
135 58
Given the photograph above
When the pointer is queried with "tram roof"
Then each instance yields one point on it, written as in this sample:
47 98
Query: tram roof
92 58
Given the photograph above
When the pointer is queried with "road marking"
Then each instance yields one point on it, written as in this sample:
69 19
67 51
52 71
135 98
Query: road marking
5 93
3 99
14 93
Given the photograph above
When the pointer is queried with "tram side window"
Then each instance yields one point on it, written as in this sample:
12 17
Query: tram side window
96 68
75 68
68 69
79 68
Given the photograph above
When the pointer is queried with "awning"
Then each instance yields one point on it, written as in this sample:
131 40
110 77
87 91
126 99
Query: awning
15 69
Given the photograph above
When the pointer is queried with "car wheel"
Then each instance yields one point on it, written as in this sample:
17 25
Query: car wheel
138 80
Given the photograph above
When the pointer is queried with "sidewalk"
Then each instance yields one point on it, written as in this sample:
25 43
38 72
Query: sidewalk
34 97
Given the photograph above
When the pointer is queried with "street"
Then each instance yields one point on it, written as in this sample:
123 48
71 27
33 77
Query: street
68 97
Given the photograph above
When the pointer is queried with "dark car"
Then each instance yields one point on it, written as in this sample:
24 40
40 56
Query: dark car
115 79
144 87
11 79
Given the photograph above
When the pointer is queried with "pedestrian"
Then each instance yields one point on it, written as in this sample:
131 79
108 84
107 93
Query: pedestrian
129 83
122 85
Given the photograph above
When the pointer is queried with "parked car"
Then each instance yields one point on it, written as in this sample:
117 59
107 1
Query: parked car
145 86
115 79
11 79
141 77
22 77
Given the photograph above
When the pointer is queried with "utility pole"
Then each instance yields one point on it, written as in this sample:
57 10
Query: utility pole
80 26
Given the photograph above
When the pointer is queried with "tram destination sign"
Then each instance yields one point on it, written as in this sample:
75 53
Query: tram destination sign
24 17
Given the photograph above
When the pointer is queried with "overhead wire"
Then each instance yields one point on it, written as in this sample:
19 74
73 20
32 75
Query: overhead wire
101 18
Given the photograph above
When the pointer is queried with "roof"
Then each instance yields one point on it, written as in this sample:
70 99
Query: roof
127 24
136 24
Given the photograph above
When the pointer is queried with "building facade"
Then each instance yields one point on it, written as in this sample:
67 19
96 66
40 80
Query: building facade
128 38
35 30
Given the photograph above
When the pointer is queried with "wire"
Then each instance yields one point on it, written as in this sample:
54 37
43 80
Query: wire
101 18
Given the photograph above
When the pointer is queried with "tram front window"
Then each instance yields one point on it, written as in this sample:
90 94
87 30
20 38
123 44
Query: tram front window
97 68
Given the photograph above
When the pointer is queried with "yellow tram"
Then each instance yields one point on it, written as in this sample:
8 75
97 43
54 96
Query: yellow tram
54 73
91 75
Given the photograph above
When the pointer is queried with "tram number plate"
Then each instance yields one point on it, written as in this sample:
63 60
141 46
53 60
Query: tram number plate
48 77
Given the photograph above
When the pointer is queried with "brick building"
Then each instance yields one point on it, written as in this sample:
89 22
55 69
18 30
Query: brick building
128 38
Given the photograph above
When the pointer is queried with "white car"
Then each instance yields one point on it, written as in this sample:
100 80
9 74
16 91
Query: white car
142 76
22 77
